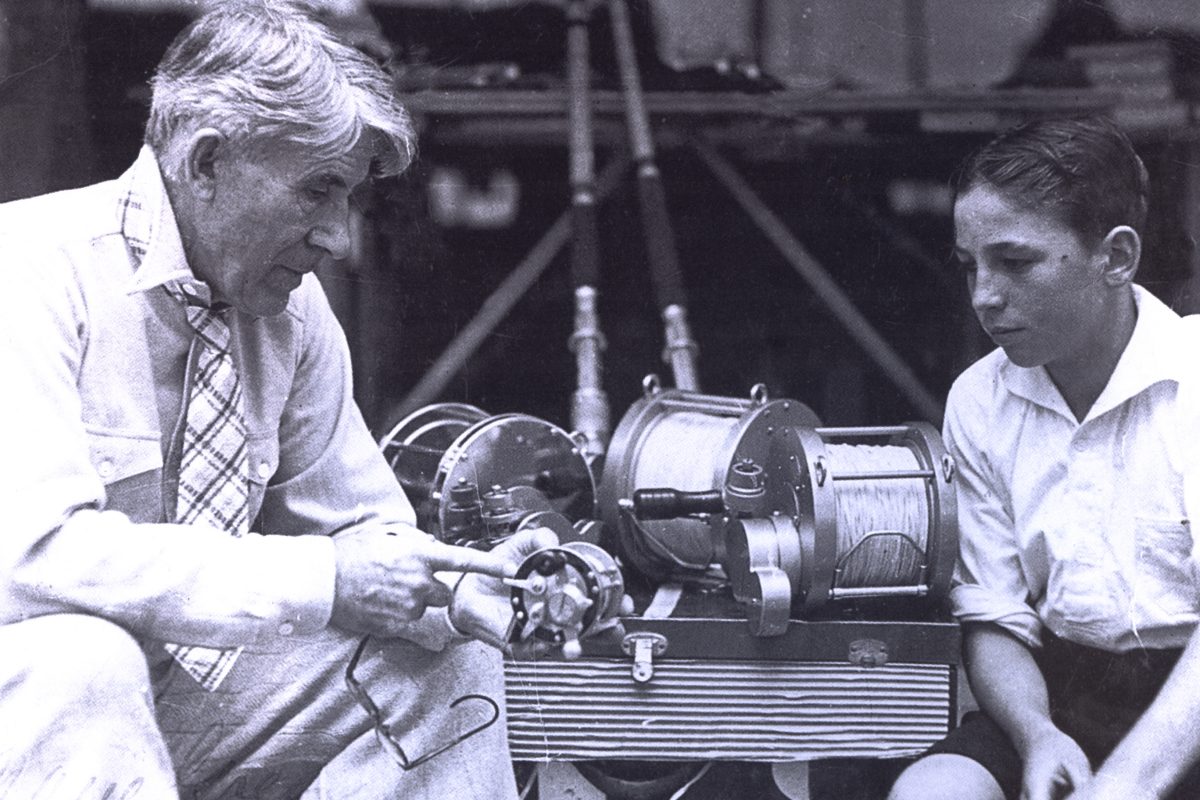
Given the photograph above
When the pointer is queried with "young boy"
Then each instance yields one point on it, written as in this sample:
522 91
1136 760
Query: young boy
1075 445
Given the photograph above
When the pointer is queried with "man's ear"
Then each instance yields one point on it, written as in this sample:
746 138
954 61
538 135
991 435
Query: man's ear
1122 249
205 148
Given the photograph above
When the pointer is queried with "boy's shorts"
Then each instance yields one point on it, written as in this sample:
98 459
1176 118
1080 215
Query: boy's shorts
1095 698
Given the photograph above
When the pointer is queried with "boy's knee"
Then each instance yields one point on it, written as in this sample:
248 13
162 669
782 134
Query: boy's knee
945 776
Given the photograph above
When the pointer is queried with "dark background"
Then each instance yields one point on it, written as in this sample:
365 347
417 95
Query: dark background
832 180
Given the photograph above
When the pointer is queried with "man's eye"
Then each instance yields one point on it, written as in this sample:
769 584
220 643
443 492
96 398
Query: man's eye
316 193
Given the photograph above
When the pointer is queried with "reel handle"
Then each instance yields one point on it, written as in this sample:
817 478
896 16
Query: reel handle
672 503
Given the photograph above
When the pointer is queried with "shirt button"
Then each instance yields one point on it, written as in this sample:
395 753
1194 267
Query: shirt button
286 629
105 468
188 289
264 470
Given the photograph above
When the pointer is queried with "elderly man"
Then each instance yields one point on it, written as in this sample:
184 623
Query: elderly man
200 530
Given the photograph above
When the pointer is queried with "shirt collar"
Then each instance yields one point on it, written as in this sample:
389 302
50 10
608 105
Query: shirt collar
151 233
1154 354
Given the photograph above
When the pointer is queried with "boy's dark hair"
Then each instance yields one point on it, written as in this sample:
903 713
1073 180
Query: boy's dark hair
1084 170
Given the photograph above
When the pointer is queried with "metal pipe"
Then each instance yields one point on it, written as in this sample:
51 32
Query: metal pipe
867 430
640 140
680 348
819 280
680 351
590 415
579 104
877 476
502 300
917 38
878 591
787 105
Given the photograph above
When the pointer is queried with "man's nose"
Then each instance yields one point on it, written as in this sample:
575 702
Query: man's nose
333 234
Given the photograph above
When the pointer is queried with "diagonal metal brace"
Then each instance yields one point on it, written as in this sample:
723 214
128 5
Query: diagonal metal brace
819 280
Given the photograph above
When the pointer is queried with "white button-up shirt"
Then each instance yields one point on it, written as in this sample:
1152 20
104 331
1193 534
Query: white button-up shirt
1084 527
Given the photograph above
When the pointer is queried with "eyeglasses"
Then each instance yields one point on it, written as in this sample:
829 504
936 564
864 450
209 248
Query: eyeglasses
384 734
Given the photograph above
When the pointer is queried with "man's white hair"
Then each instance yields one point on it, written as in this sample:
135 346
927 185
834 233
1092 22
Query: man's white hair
266 73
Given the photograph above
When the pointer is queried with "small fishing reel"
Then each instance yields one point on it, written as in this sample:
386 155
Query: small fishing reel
563 594
473 479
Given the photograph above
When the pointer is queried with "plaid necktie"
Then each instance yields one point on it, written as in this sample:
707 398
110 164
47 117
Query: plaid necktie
213 469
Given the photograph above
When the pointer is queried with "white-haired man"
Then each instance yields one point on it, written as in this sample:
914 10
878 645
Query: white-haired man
200 528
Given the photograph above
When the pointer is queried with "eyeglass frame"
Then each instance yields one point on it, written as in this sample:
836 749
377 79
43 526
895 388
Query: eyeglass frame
383 731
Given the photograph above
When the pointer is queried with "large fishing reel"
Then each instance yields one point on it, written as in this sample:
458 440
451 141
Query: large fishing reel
796 515
476 479
677 463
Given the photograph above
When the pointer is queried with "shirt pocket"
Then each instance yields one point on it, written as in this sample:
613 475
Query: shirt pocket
262 452
1164 579
117 455
129 464
1083 593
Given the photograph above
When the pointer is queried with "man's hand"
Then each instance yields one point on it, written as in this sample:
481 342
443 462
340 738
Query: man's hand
1054 767
482 606
386 579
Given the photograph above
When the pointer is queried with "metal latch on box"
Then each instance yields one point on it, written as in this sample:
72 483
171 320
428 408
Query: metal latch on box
868 653
643 646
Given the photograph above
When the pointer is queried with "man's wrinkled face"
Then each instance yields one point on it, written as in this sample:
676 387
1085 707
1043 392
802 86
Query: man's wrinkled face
275 215
1036 288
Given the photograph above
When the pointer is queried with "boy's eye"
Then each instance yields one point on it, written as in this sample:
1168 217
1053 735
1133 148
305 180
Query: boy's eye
1016 263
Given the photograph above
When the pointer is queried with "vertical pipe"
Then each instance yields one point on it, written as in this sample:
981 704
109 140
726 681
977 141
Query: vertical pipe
1183 186
501 301
916 29
589 404
680 350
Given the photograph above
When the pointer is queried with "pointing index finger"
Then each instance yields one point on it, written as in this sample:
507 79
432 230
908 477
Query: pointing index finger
446 557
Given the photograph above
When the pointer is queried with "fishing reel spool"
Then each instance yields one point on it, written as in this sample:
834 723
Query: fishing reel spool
476 479
677 464
563 594
797 515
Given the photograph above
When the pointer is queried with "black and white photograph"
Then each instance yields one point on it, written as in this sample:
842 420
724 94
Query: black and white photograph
600 399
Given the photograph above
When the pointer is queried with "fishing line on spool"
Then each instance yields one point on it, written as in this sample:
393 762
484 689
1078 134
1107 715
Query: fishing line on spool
870 514
678 451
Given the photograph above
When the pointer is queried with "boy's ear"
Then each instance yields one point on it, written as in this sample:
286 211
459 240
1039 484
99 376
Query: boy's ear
1122 249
